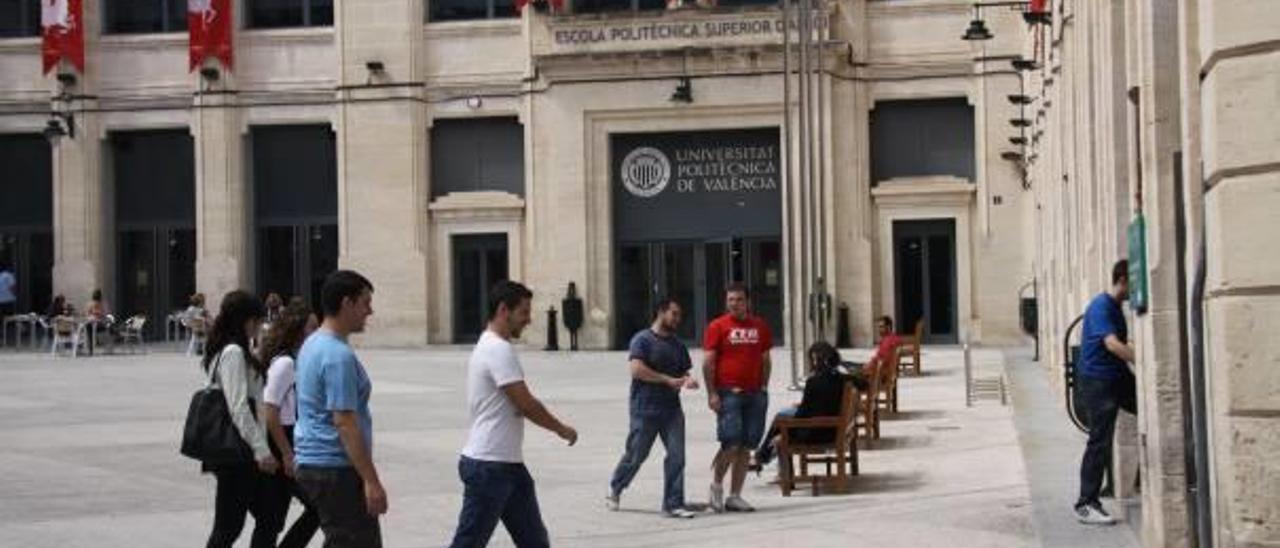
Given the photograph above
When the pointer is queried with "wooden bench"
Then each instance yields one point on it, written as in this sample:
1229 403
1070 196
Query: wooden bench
839 457
886 393
866 418
910 360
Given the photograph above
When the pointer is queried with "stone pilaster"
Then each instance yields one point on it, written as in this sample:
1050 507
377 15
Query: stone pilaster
1239 43
82 208
224 256
382 159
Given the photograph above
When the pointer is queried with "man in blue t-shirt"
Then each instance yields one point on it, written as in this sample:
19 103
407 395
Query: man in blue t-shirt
660 367
334 434
1104 352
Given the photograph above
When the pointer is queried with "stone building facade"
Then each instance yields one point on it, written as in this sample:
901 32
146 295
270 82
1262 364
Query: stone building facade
437 146
1163 114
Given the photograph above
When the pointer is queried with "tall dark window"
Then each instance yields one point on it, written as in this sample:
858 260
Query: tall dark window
155 214
462 10
266 14
139 16
19 18
295 208
477 154
597 6
26 218
922 137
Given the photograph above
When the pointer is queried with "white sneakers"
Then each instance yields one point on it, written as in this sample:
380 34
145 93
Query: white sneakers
717 498
735 504
1090 514
680 513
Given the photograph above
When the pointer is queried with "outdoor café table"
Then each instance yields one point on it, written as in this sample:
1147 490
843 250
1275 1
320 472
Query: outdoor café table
30 320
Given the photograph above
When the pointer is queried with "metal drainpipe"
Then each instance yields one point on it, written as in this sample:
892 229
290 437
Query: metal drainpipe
1201 491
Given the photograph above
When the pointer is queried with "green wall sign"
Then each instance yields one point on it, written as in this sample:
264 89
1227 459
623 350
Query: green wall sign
1138 265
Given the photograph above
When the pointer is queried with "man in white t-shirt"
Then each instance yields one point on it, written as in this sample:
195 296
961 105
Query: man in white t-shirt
498 486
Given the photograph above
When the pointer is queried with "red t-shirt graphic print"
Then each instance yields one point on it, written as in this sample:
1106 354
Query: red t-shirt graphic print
740 347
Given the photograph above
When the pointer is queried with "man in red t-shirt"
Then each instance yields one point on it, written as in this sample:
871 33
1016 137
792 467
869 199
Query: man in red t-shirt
736 369
889 341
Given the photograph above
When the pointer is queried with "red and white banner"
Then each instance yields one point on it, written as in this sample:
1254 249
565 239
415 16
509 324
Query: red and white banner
209 31
62 32
556 5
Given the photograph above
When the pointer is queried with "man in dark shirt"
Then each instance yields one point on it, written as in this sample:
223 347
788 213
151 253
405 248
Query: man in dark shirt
659 370
1104 351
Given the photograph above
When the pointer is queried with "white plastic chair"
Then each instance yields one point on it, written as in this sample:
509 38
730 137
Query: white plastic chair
131 333
67 333
195 343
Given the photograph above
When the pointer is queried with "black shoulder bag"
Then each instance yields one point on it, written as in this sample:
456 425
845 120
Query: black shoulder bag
209 436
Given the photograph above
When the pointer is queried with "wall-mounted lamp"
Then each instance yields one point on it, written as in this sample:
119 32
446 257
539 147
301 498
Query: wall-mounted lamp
210 74
1024 64
977 31
1020 99
376 67
978 28
1011 156
1018 140
67 79
684 91
1020 122
54 130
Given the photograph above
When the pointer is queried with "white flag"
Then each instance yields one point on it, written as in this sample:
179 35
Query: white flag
53 13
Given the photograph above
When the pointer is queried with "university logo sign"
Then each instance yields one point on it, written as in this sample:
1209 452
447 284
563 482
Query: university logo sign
646 172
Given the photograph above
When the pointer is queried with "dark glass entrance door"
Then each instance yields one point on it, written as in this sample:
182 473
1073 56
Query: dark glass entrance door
29 256
156 273
924 263
695 274
293 260
155 224
479 262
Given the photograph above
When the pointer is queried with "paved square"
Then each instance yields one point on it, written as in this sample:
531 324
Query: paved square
90 459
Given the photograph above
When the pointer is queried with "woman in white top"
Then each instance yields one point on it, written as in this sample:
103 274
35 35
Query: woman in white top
279 347
240 375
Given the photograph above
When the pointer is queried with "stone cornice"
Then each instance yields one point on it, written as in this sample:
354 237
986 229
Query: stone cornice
911 191
476 205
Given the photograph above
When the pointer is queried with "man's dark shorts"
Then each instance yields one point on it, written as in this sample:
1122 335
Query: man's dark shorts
740 422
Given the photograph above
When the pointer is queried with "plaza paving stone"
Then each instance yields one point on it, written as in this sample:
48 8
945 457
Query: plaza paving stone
90 459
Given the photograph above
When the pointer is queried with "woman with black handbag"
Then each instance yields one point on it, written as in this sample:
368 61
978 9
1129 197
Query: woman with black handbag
240 376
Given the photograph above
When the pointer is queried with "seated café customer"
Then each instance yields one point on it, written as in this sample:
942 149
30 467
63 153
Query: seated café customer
58 307
195 309
823 392
97 308
275 307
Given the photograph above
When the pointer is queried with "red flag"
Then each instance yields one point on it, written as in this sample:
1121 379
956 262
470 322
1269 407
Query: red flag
1037 6
209 31
62 32
556 5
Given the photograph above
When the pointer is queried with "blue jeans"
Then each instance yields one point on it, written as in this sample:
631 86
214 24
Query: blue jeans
740 423
498 491
764 454
670 426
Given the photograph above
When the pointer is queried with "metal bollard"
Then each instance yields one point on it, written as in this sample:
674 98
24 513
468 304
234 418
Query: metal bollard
553 335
